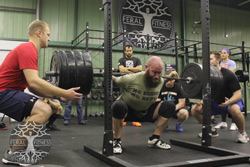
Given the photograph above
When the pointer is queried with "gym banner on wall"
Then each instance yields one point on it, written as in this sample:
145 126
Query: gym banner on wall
140 18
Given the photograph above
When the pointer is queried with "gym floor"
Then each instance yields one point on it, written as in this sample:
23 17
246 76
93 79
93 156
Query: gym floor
67 144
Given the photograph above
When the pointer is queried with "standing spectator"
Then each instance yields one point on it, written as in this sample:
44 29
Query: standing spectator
68 109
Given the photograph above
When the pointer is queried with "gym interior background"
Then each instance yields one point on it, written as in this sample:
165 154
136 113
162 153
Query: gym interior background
229 24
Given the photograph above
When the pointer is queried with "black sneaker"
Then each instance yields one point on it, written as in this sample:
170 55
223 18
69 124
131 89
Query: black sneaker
213 121
117 147
52 127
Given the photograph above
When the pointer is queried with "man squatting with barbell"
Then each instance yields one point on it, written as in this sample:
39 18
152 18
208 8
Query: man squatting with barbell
20 70
138 103
229 101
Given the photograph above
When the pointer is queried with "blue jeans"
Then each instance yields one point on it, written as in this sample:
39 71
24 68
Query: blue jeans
68 107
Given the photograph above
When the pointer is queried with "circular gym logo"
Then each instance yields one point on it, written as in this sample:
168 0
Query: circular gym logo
148 17
30 142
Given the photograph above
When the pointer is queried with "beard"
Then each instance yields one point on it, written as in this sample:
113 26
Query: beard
150 81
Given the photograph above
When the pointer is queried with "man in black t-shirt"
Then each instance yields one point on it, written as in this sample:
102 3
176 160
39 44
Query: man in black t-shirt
171 92
229 100
129 64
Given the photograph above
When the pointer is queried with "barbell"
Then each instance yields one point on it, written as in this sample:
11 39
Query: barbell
74 68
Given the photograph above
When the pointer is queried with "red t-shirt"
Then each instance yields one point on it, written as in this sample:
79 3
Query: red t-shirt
24 56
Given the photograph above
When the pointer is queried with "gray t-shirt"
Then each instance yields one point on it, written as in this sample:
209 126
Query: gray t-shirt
135 92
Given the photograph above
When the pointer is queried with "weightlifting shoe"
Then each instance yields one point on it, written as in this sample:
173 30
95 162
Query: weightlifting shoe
157 143
117 147
221 125
242 138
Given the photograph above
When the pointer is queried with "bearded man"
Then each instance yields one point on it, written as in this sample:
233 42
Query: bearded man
138 103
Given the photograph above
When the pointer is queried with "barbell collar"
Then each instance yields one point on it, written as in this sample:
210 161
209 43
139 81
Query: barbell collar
52 73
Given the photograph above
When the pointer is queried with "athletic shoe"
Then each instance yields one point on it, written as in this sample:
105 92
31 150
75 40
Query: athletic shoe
124 123
233 127
117 147
138 124
66 122
213 121
179 128
242 138
3 126
221 125
52 127
213 133
83 122
14 158
158 144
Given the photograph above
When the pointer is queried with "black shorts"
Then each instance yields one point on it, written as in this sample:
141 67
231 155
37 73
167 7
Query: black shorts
16 104
131 117
176 112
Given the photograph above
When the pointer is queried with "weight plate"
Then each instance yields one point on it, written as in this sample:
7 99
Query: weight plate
88 74
192 89
216 82
55 65
64 74
80 66
71 70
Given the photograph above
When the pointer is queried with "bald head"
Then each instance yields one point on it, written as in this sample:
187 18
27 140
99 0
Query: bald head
154 61
153 71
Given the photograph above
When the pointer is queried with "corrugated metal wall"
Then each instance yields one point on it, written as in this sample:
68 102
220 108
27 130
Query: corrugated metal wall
67 18
59 14
15 21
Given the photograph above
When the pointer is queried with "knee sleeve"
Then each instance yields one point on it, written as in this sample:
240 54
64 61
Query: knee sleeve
120 109
167 109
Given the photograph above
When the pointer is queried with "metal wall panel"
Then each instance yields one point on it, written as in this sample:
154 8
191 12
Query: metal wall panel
15 20
223 20
88 11
59 14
